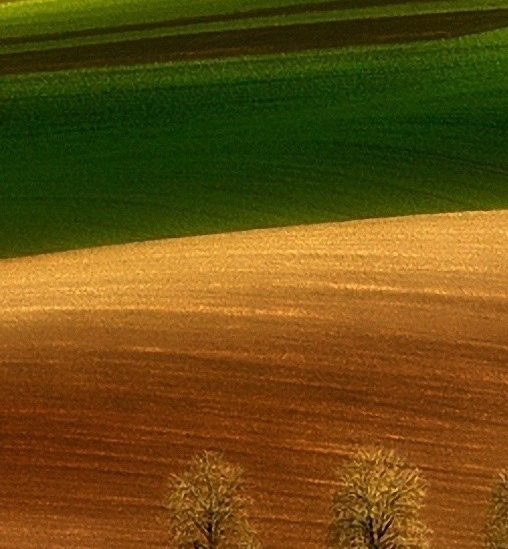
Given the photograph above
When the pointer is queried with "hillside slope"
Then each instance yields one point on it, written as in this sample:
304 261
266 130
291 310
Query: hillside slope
136 153
281 347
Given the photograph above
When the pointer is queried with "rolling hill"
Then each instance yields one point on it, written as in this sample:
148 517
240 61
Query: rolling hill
283 348
377 115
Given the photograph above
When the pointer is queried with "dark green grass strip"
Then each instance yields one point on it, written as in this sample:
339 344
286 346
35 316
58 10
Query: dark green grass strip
284 39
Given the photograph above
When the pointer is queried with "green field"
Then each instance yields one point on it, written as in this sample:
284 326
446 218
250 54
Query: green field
121 154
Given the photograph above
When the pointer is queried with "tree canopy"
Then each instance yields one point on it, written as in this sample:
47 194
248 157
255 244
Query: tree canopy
208 507
377 504
496 525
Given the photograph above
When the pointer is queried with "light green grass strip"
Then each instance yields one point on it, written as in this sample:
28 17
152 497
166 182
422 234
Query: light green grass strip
48 16
336 15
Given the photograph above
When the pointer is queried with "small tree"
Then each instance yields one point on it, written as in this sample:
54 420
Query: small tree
207 506
495 533
377 504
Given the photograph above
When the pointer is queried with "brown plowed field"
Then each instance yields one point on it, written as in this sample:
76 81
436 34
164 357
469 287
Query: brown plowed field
282 348
261 40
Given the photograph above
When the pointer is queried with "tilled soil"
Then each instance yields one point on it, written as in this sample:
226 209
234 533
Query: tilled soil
261 40
283 348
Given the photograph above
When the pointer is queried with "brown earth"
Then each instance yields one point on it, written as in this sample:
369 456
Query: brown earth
262 40
283 348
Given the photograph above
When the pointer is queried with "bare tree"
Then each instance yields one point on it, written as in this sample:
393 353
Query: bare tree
495 532
377 504
208 508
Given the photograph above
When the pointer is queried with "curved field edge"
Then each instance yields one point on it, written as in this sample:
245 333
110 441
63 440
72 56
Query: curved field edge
122 154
